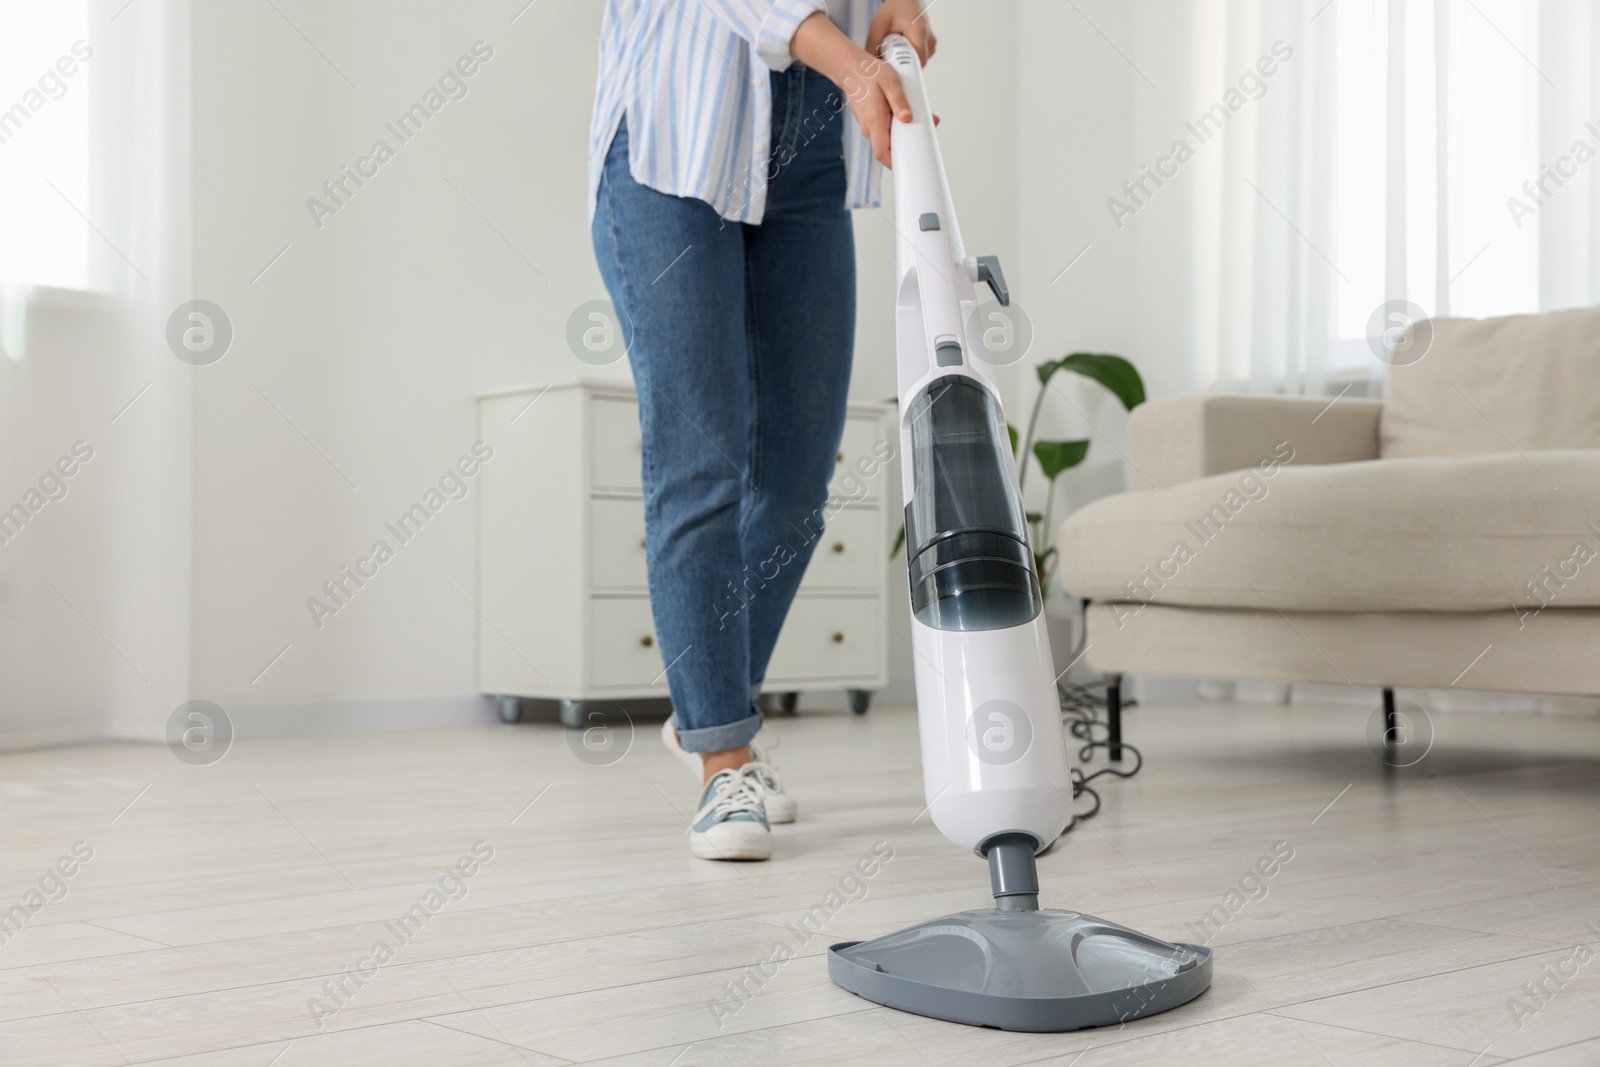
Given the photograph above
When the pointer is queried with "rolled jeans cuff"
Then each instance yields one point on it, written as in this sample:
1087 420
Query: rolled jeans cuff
723 736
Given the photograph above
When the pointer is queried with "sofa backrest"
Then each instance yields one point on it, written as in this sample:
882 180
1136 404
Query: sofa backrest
1523 382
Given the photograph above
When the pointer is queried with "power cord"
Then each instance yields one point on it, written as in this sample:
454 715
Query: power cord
1080 706
1080 712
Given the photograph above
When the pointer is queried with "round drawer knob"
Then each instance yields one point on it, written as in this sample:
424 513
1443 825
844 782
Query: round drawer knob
838 457
838 638
647 640
838 546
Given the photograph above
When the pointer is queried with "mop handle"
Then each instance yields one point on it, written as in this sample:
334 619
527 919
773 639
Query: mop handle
920 188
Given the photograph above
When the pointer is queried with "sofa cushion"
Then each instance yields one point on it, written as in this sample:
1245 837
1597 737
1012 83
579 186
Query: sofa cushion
1474 533
1497 385
1176 439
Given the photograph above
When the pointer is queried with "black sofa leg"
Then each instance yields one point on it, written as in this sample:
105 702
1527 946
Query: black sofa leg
1390 722
1114 715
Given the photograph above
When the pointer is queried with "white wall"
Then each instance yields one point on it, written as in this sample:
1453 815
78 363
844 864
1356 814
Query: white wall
358 353
1076 95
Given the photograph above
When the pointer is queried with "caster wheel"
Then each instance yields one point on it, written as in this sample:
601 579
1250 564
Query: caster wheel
860 700
510 709
572 714
788 702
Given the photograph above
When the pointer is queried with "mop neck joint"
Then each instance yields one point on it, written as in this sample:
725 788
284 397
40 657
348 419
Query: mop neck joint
1012 873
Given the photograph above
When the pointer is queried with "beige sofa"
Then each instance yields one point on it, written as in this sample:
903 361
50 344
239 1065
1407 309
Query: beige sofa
1448 535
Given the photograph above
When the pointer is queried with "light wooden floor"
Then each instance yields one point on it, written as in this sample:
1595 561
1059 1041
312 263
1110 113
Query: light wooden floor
220 900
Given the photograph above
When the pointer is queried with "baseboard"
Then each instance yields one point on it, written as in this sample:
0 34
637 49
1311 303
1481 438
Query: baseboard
269 718
902 689
1153 689
1184 690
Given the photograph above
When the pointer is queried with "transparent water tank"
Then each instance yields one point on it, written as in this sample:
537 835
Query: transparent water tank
966 535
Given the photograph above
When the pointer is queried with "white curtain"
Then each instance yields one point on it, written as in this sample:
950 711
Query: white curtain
1422 150
94 578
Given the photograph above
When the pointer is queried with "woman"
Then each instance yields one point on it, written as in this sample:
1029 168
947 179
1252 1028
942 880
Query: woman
726 149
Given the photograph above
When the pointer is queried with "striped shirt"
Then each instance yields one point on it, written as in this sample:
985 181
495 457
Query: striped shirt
691 78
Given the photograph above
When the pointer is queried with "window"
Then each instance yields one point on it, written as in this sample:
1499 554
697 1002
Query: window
45 66
1434 134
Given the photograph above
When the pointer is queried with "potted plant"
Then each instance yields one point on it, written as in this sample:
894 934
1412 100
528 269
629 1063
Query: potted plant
1055 458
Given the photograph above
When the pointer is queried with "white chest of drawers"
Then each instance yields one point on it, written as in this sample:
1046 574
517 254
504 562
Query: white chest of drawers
563 607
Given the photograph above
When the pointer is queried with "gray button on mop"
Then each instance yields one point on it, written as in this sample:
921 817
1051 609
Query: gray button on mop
928 221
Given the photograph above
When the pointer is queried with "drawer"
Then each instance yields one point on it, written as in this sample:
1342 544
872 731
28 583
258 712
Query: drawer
616 544
622 644
827 638
615 444
850 552
858 469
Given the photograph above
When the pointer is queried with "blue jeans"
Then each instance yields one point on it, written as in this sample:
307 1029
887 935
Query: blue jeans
741 340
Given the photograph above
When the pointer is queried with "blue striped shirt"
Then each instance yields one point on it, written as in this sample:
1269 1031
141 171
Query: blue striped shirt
691 78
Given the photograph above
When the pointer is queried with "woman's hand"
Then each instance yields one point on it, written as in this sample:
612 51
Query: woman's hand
876 97
906 18
870 86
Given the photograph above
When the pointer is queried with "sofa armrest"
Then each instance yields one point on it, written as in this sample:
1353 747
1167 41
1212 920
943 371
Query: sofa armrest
1178 439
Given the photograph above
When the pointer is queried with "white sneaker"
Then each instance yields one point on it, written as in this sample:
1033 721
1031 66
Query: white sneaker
732 821
781 807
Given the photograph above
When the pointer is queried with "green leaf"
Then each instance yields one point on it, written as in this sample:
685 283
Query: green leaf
1056 456
1035 516
1113 372
899 539
1011 431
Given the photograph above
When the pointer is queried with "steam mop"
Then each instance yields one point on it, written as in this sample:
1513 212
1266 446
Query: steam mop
994 756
